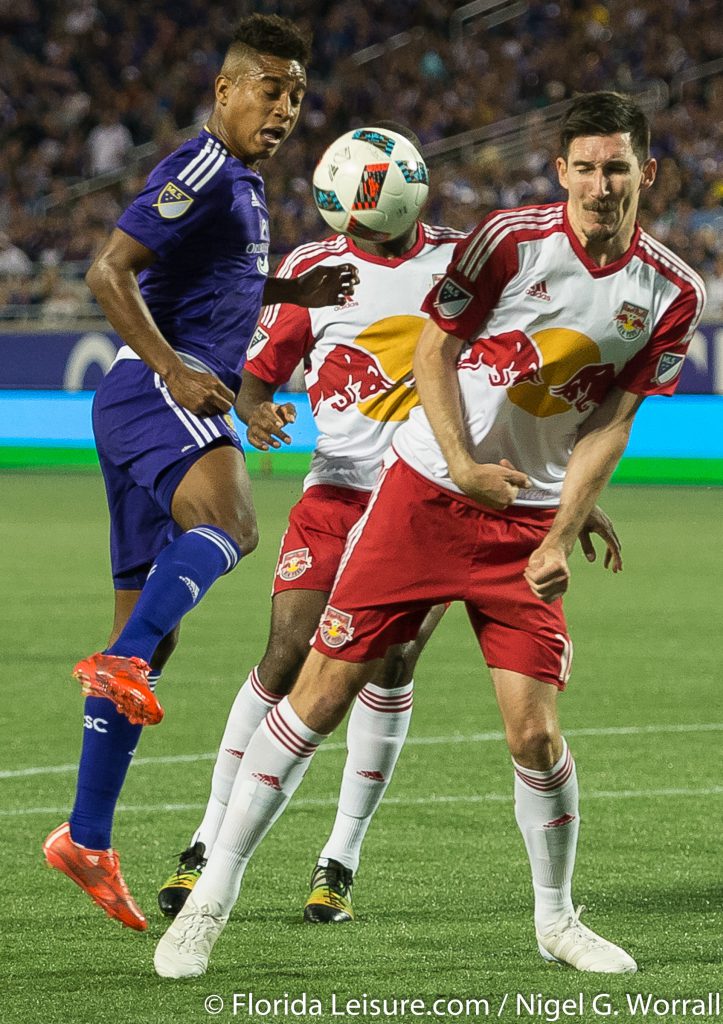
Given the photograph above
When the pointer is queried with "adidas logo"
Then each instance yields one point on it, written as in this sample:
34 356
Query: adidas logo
192 586
272 781
373 776
235 753
539 291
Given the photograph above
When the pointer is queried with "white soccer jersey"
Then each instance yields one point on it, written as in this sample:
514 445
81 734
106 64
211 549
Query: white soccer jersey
358 355
548 334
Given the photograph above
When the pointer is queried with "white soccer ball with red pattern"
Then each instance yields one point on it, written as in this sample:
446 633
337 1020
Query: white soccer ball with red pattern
371 183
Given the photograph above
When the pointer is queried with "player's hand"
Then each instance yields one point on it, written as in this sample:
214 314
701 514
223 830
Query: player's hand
201 393
599 522
266 423
547 572
326 286
495 485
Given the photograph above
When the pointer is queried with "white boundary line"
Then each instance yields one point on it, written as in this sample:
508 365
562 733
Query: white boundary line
414 741
397 801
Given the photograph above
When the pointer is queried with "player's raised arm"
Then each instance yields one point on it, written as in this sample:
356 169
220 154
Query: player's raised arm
265 418
600 444
435 371
113 279
320 286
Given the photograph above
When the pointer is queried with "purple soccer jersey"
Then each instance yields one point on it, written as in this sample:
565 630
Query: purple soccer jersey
203 213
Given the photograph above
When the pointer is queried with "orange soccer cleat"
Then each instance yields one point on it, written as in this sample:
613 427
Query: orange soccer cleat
122 680
98 873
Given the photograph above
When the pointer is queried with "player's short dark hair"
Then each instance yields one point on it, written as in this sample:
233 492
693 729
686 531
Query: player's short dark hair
400 129
269 33
604 113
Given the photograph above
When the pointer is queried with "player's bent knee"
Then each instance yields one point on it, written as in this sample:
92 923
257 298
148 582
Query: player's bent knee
398 667
535 746
280 666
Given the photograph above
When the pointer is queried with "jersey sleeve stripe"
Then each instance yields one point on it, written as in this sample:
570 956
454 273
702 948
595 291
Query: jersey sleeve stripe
196 160
500 217
661 251
314 251
193 173
665 260
207 177
501 232
498 228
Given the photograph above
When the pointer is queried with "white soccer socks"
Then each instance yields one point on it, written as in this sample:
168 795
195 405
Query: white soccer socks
376 732
546 809
273 766
251 706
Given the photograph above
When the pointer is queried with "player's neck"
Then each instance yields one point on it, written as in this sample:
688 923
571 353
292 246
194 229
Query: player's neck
392 249
214 126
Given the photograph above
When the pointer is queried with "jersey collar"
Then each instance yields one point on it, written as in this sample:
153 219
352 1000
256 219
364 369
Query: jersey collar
395 261
590 265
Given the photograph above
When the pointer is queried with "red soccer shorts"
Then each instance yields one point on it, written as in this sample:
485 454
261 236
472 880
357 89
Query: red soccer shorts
417 546
315 538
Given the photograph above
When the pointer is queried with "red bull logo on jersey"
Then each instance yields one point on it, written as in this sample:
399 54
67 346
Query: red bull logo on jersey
335 628
512 357
374 374
294 564
587 387
630 321
348 376
547 374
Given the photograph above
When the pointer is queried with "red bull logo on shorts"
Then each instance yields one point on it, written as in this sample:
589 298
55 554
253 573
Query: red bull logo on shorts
335 628
630 321
294 564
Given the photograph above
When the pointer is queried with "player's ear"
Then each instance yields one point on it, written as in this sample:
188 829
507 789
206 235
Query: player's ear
561 165
222 87
650 169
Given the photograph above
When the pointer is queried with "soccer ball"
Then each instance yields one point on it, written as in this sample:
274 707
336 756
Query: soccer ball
371 183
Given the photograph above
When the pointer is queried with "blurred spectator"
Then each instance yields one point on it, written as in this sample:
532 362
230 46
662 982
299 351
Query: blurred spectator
150 68
108 144
714 286
13 261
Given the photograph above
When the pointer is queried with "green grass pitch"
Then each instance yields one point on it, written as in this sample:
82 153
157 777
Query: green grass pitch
443 895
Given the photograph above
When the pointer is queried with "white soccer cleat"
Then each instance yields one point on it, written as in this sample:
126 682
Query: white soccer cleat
184 950
571 942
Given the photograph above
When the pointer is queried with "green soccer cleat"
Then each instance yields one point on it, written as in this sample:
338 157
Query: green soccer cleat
330 899
175 890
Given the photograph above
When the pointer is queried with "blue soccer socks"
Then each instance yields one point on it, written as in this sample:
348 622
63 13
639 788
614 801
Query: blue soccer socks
178 579
109 741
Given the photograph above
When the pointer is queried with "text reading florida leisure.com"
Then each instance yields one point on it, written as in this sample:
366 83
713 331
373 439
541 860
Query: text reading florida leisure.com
707 1006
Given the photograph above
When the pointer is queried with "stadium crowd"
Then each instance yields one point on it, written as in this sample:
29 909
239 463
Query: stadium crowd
85 83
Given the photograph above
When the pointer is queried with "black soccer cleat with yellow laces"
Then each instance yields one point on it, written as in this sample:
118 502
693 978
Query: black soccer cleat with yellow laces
330 899
175 890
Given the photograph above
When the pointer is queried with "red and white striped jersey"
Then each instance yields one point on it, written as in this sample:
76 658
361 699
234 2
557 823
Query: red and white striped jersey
358 355
548 333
